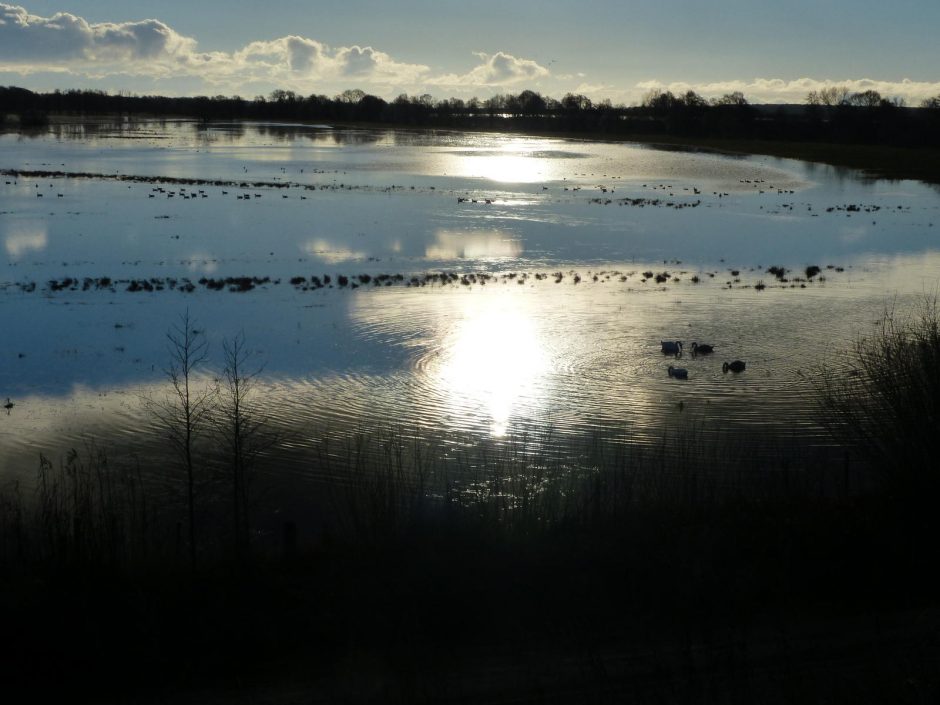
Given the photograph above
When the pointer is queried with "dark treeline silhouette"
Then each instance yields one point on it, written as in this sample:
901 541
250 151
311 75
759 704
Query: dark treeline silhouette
833 115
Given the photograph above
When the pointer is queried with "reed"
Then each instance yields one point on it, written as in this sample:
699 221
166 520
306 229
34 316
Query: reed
436 545
882 400
83 514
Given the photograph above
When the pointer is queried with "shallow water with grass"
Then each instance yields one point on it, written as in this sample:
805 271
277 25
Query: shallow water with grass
460 287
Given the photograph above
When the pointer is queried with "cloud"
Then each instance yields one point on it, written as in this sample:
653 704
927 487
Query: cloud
499 69
777 90
303 55
151 49
39 42
376 66
150 52
356 61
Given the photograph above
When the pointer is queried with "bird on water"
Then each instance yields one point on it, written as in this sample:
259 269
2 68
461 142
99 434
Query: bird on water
736 366
671 347
678 372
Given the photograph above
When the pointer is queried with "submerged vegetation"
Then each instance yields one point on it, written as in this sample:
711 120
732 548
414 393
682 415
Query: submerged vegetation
603 565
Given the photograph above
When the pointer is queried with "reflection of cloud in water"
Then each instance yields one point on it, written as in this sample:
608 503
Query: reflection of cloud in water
19 244
461 244
331 253
202 263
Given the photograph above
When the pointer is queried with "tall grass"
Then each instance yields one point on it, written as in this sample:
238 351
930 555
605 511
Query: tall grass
83 513
391 484
387 485
436 546
882 400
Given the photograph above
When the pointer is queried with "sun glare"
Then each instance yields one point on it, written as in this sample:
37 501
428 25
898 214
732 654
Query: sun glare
495 360
517 162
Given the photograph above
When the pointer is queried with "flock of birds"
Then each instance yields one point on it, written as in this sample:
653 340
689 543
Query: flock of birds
674 347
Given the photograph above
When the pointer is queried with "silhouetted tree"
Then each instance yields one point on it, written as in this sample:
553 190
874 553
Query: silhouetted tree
530 103
239 427
737 98
351 95
931 103
184 411
865 99
830 96
576 102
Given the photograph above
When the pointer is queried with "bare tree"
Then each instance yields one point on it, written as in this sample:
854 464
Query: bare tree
184 410
239 427
736 98
829 96
865 99
351 95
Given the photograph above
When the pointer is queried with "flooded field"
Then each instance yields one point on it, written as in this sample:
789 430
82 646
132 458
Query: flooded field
453 285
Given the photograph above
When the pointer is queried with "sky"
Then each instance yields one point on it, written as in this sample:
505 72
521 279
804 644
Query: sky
772 52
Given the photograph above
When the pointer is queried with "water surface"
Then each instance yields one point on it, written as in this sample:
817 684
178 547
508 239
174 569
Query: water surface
558 327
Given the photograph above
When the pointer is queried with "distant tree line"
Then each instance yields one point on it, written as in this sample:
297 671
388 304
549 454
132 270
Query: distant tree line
833 114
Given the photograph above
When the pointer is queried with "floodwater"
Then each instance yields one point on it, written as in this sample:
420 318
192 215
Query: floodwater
515 298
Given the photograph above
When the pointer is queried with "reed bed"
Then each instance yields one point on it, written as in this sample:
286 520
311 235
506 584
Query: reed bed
409 548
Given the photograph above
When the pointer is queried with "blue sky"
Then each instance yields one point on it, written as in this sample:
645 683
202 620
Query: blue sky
615 49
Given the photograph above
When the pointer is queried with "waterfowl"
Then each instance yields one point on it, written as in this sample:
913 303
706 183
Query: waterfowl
736 366
702 349
678 372
671 347
9 405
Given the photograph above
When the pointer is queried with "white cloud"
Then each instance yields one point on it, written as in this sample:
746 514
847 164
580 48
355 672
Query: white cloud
41 42
356 61
499 69
149 48
149 52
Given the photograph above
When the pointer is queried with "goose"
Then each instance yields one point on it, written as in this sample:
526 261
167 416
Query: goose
671 347
9 405
736 366
678 372
702 349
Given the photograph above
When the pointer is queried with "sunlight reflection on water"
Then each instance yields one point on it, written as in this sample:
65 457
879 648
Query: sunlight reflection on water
485 356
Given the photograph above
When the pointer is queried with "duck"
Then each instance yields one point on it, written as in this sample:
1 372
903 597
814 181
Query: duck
678 372
702 349
736 366
671 347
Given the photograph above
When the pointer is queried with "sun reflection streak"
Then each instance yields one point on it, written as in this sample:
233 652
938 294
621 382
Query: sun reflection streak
516 162
494 360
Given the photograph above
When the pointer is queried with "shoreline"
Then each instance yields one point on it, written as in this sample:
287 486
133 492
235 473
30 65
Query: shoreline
875 161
